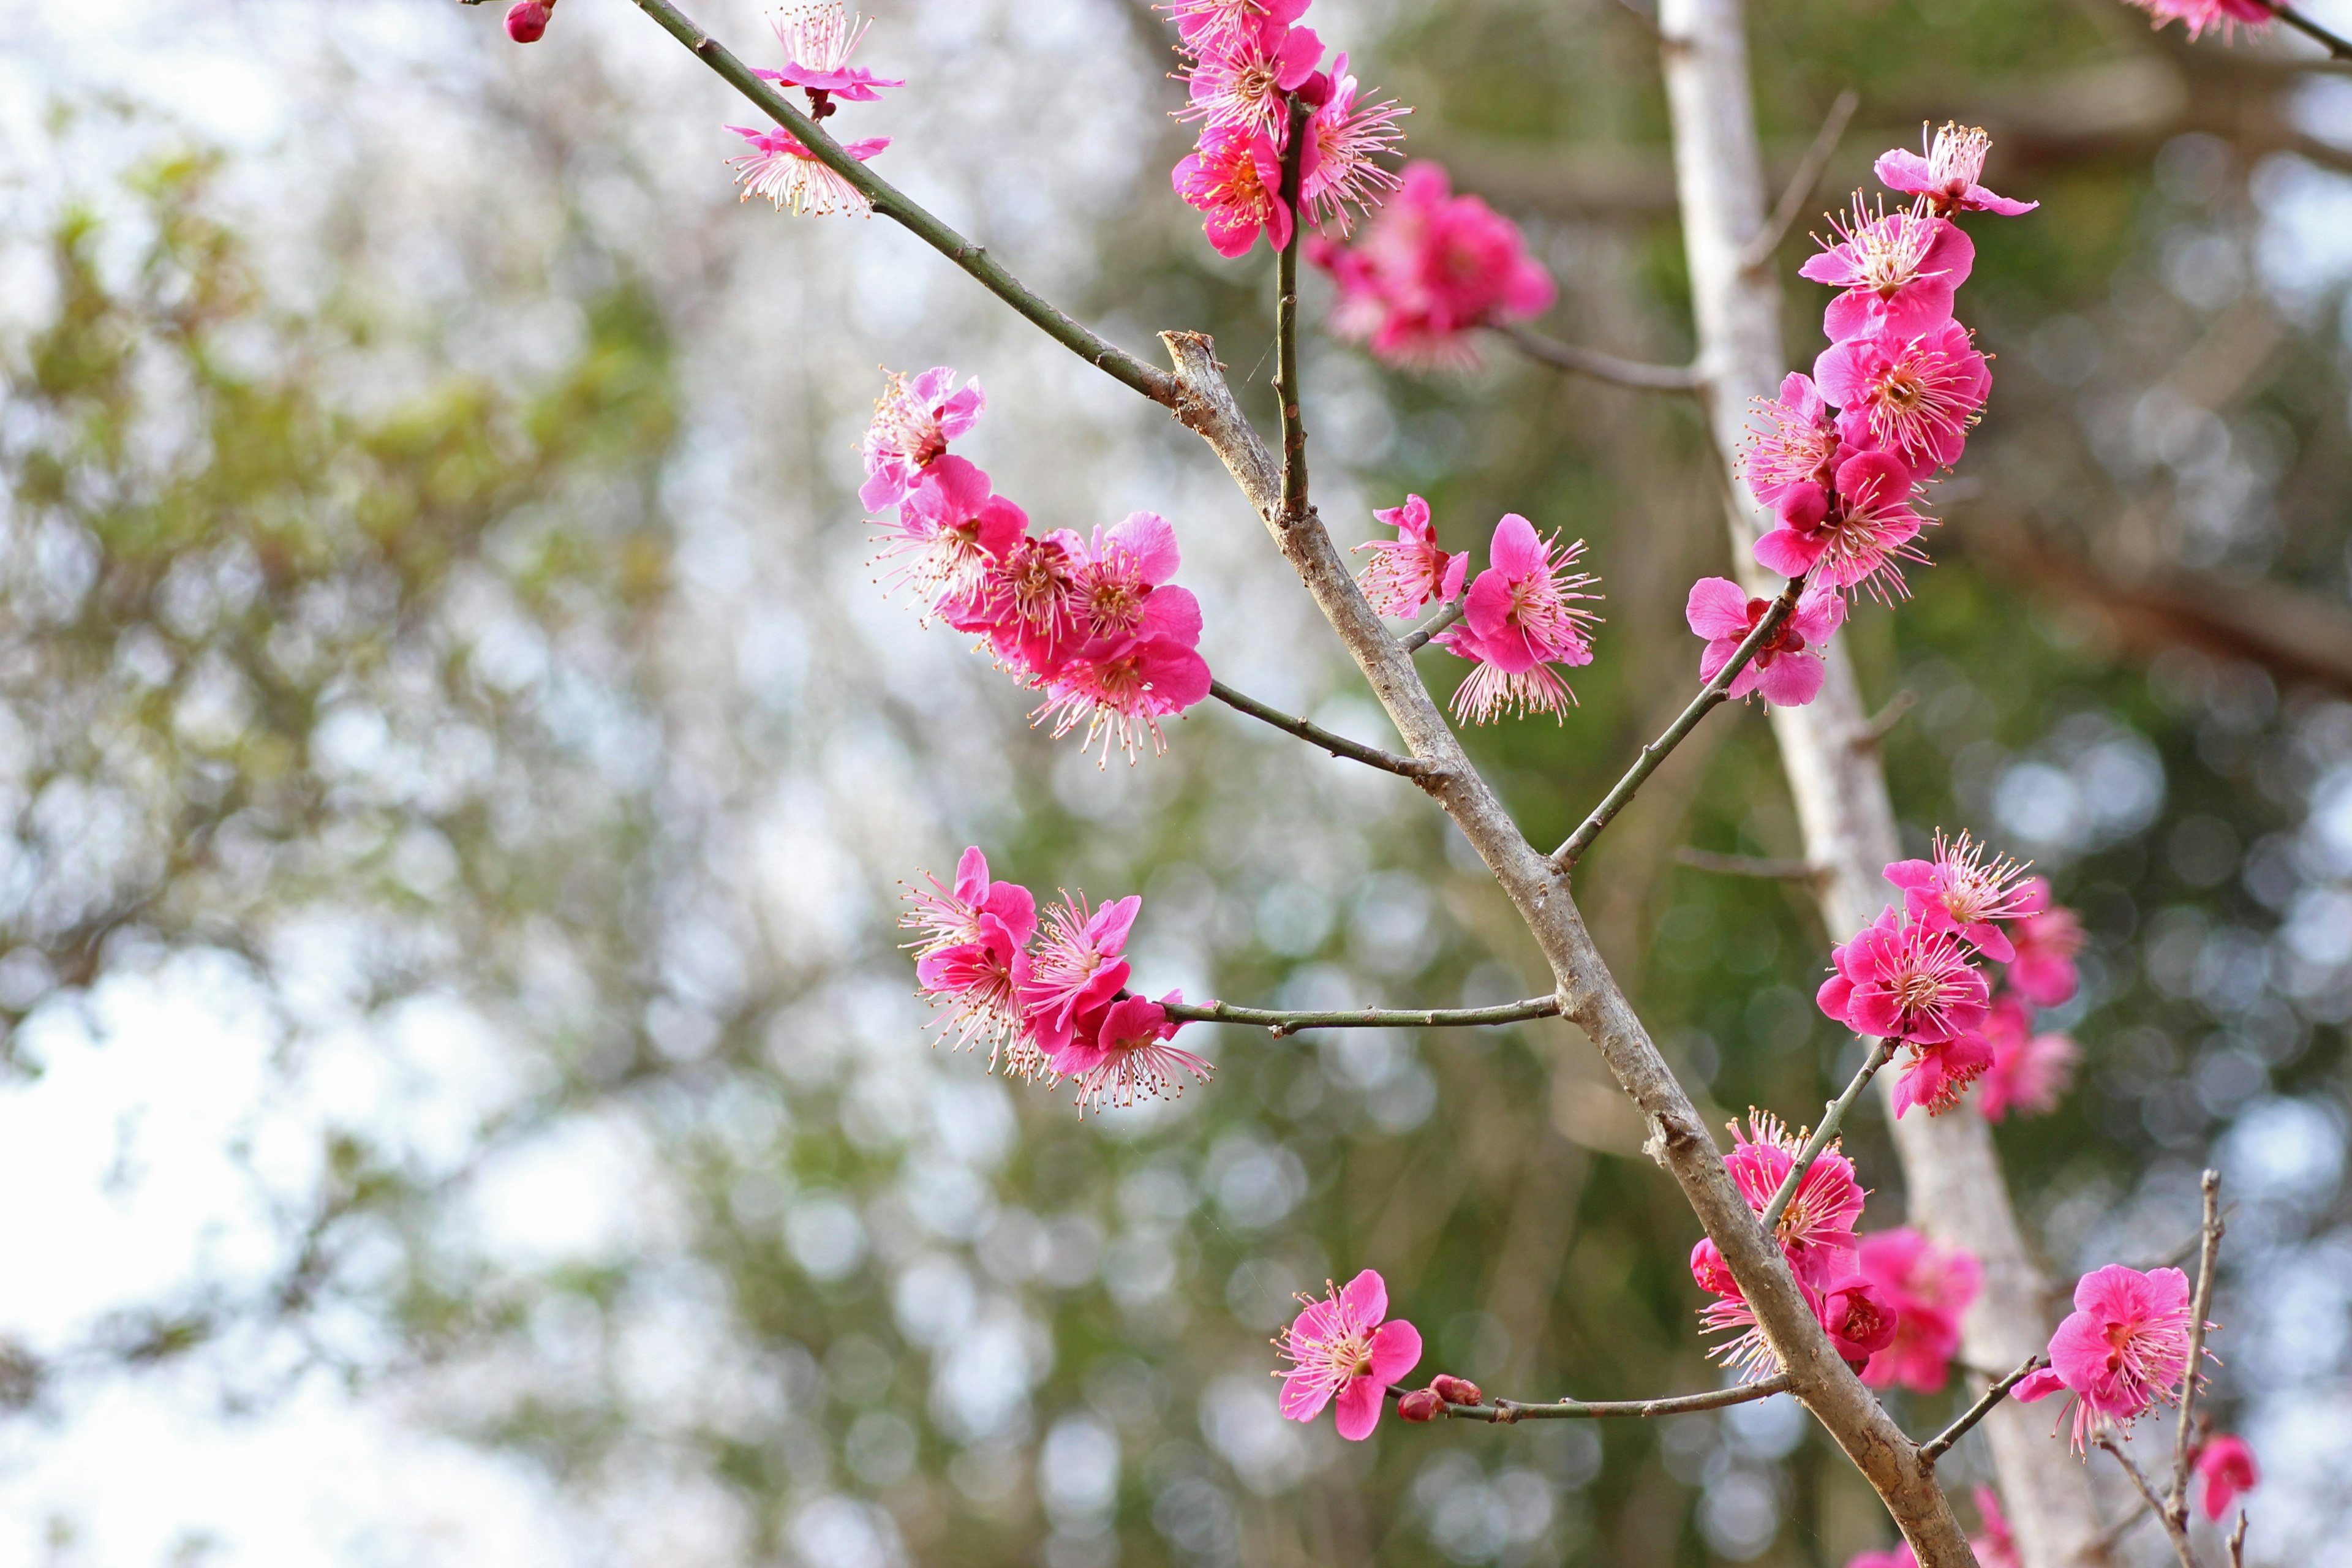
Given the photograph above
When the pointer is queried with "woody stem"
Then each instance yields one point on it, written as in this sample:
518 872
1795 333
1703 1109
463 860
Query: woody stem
1286 322
1881 1052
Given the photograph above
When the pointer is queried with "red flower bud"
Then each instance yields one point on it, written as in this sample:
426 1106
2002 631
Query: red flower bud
527 20
1421 1404
1457 1391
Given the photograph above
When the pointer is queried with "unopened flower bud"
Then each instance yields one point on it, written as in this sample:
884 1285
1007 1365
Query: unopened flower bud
1457 1391
1421 1404
1314 92
527 20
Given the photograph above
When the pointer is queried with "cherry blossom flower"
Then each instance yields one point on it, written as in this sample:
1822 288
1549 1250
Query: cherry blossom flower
949 532
1076 966
1338 169
913 422
1897 980
2227 1464
1210 24
1929 1286
2124 1346
2029 1071
1121 696
1346 1347
1239 80
2200 15
1429 269
819 37
1122 571
1897 270
1816 1230
1236 177
1409 570
950 916
1996 1547
970 960
1854 539
1791 457
779 168
1521 617
1948 175
1028 602
2044 971
1938 1075
1961 891
1915 397
1787 670
1125 1057
1859 1321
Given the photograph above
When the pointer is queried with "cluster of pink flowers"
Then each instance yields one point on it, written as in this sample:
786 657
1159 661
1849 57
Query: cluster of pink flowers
1929 1285
818 36
1094 625
2124 1347
1245 63
1842 454
1915 975
1430 271
1048 993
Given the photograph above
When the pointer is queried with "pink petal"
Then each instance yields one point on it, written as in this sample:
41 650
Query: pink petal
1148 537
1172 613
972 876
1304 1395
1360 1408
1109 929
2036 1385
1791 680
1516 550
1902 170
1717 609
1396 1350
1786 551
1366 1297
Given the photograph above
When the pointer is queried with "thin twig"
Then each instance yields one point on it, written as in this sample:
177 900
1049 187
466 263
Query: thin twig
1881 1053
1881 723
2336 46
1748 864
1508 1412
2177 1503
2177 1534
1447 614
1800 185
2238 1542
1366 1017
1656 751
1936 1448
891 202
1285 326
1315 735
1604 367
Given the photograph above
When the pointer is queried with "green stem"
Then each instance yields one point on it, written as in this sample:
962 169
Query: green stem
1315 735
1506 1412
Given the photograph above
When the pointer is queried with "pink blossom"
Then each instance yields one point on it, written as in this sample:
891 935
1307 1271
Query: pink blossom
1915 397
2029 1071
2227 1464
1996 1547
1898 271
779 168
913 423
2200 15
1211 23
818 39
1429 267
1788 669
1241 79
1522 616
1857 538
1121 574
1121 687
1791 454
1929 1286
1816 1230
2124 1346
948 916
1938 1075
1338 169
1959 890
970 960
1236 177
1896 980
1408 571
1077 967
1125 1056
1948 175
1346 1346
2044 971
1028 602
949 530
1858 1319
1899 1555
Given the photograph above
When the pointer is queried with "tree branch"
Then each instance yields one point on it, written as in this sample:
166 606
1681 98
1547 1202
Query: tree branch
2208 1252
2176 1534
893 204
1367 1018
1881 1053
2337 48
1285 323
1446 615
1656 751
1938 1446
1799 188
1601 366
1746 865
1509 1412
1315 735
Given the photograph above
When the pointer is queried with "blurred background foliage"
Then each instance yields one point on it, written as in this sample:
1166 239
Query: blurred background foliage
456 765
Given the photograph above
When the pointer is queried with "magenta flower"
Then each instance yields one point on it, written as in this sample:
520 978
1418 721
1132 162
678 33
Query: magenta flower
1346 1347
1790 457
779 168
950 532
1788 669
1522 617
2029 1071
1857 538
819 37
1127 565
527 20
1213 24
1996 1547
2044 971
2227 1464
1816 1230
1897 980
2124 1346
1938 1075
1346 135
948 917
970 960
2200 15
1241 79
1236 177
1121 687
1028 604
1929 1286
1076 968
1961 891
1915 397
913 423
1858 1319
1948 175
1429 269
1408 571
1124 1054
1897 270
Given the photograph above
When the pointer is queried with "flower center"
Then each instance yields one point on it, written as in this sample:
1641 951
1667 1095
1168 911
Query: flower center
1255 82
